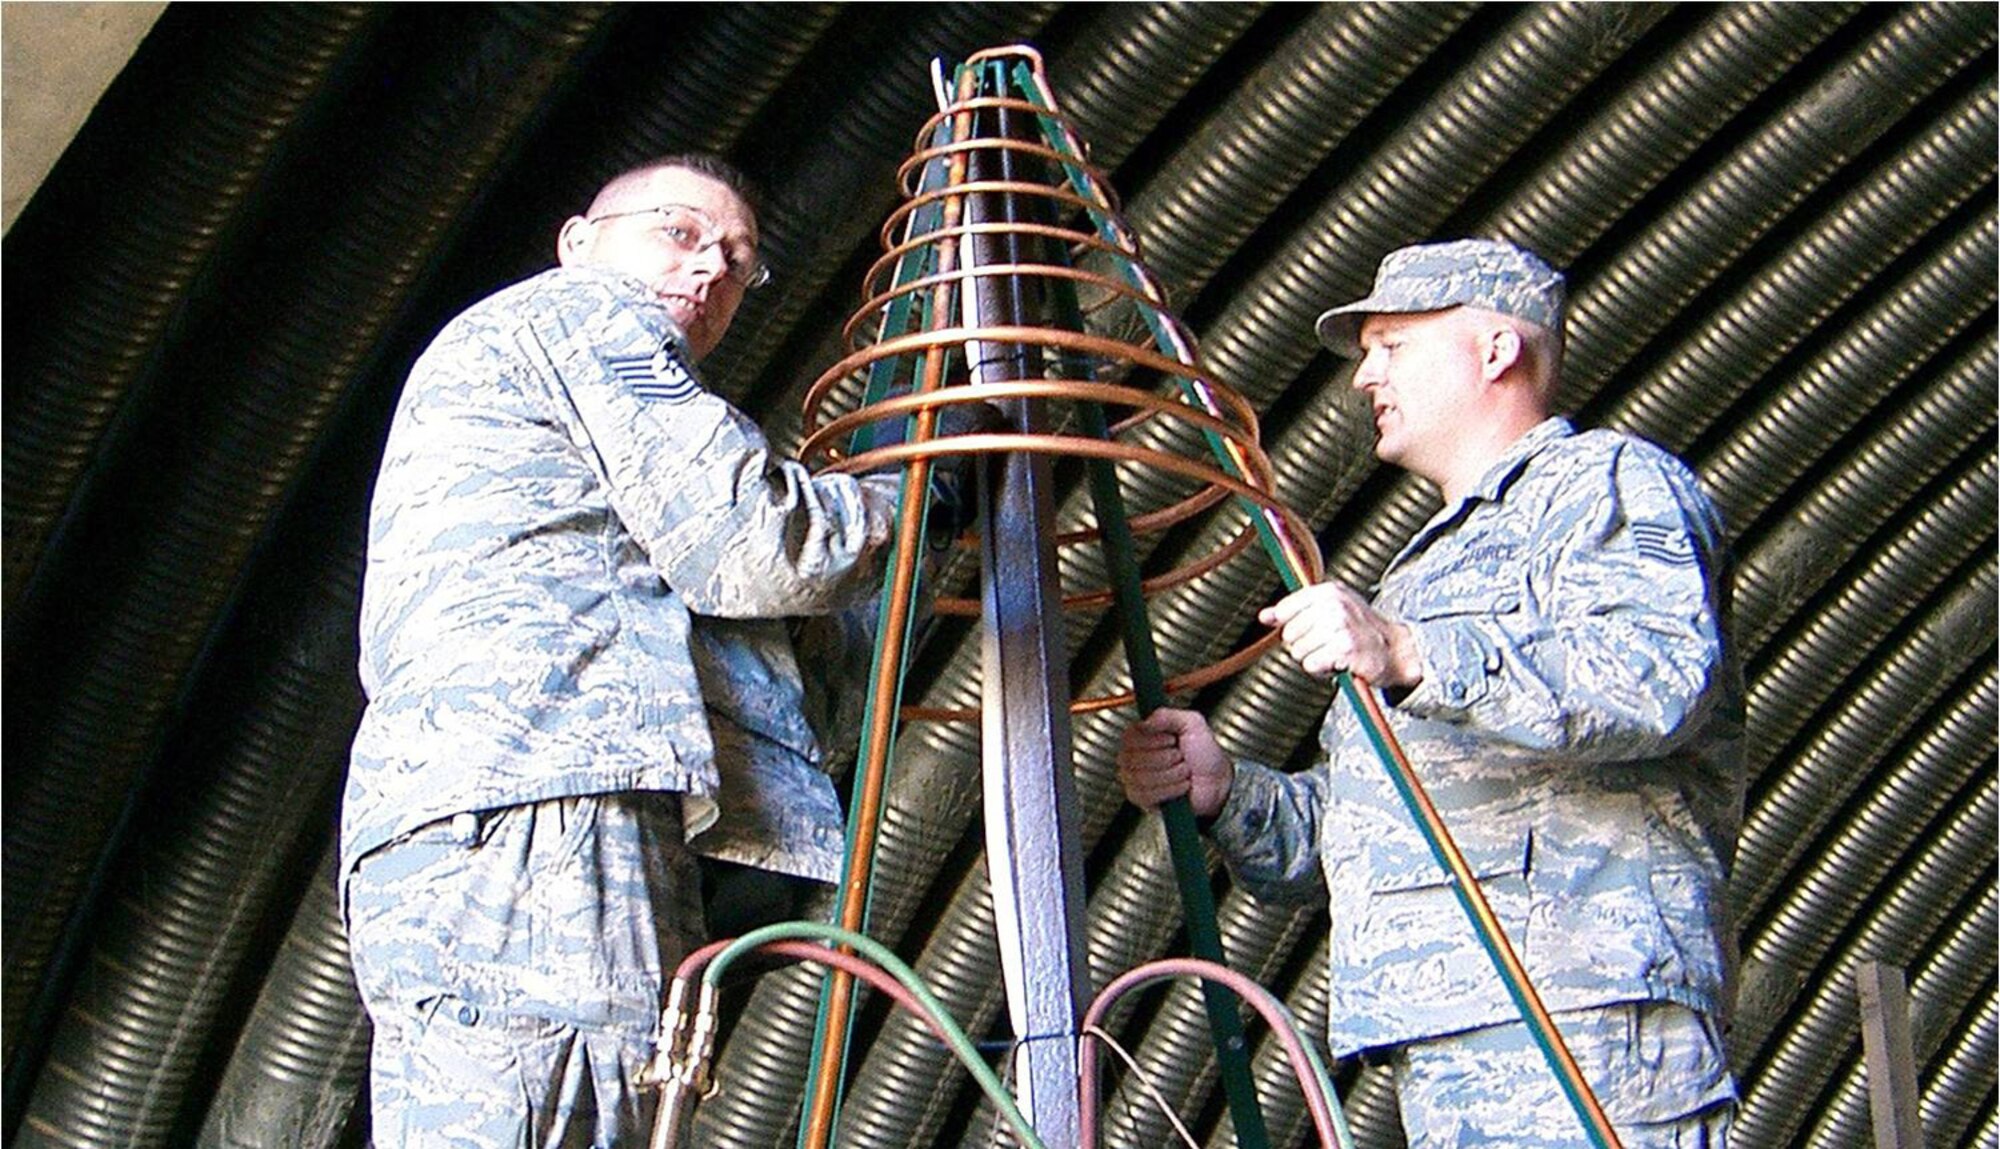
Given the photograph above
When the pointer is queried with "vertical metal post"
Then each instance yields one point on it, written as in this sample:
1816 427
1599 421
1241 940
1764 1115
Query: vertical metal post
1887 1050
1033 858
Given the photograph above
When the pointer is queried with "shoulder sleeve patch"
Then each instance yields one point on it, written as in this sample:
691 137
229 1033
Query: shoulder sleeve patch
659 378
1663 544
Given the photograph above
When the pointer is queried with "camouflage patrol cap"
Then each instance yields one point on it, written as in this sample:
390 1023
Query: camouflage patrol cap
1464 272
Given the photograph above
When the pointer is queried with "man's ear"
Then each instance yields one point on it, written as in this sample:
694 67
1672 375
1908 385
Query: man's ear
1503 352
573 241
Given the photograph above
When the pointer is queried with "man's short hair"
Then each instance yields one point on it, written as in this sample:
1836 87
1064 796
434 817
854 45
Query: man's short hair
701 163
1543 350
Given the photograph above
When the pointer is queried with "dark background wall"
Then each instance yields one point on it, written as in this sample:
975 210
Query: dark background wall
1779 223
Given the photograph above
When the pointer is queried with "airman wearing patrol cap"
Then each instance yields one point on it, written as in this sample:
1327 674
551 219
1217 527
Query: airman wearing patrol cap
1552 649
1483 273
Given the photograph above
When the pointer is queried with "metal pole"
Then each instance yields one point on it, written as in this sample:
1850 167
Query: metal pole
1887 1050
1032 827
822 1101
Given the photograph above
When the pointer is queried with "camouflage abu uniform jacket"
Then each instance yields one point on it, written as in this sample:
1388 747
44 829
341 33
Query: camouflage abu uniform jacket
1579 729
558 497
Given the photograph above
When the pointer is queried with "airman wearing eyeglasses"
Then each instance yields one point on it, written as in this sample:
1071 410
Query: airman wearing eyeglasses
687 235
574 643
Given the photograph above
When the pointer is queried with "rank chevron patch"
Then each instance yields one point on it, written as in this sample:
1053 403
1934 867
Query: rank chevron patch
659 378
1663 544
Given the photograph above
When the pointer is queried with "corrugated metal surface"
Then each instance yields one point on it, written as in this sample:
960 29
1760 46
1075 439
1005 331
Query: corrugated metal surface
1780 226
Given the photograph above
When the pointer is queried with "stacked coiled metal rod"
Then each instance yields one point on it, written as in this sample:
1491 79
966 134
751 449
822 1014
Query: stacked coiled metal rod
979 299
918 348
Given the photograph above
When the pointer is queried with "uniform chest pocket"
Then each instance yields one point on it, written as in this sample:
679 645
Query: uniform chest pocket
1463 595
1475 567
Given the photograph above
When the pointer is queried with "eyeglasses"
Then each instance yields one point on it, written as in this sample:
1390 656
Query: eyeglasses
690 231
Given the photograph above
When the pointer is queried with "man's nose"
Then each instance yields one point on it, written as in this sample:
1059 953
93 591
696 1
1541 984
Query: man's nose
1368 372
709 258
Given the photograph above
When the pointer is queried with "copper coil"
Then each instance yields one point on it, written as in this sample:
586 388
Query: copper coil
1082 367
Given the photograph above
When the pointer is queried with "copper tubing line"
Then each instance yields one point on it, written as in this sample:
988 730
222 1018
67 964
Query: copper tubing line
1077 158
1243 441
909 175
1204 389
1235 451
993 271
1191 680
1154 521
1243 415
1000 51
994 443
1003 187
1485 922
1287 1035
1104 207
1207 496
878 738
821 445
1067 236
1215 485
868 800
822 439
1150 588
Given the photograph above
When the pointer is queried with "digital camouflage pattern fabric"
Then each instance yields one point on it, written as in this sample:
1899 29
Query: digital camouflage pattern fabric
1481 273
576 646
558 497
779 734
1659 1070
1579 728
513 965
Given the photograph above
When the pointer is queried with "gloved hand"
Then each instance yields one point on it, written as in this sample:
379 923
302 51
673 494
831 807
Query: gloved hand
953 483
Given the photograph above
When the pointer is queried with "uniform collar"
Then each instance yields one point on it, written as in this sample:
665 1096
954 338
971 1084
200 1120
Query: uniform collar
1493 484
1500 475
624 284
